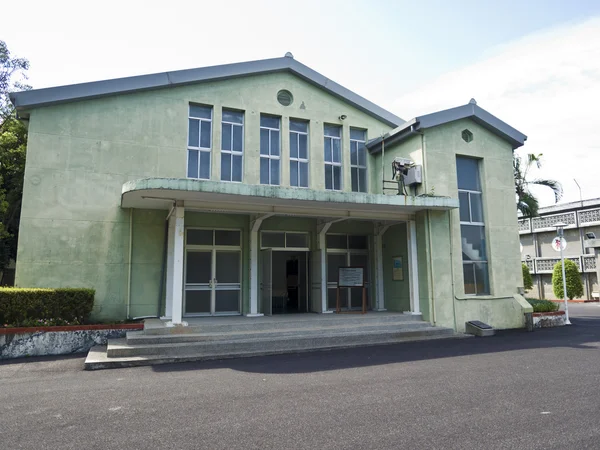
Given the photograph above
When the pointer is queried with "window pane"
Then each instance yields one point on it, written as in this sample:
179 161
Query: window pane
226 137
359 135
264 142
476 208
328 177
203 112
205 134
275 171
482 281
228 267
194 133
204 165
198 267
293 145
236 171
238 139
293 173
192 164
362 155
332 298
264 170
334 262
298 240
304 174
303 146
268 121
467 173
473 242
358 260
227 301
199 237
356 297
197 302
298 125
336 241
226 166
275 143
354 178
273 240
362 180
328 150
333 130
463 198
233 116
357 242
336 150
337 178
353 153
227 237
469 277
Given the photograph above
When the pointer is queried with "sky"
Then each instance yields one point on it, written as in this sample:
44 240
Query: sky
534 64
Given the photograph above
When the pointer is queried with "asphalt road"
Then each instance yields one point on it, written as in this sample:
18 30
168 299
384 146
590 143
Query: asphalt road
516 390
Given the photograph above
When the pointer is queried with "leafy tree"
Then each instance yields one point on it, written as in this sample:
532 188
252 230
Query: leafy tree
527 280
574 284
526 201
13 143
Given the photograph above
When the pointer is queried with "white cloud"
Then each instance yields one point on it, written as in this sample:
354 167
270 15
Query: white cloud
546 85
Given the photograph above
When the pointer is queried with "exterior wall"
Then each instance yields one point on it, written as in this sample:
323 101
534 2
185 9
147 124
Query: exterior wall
397 293
73 230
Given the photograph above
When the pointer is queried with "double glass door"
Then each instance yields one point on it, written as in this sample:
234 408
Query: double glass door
212 282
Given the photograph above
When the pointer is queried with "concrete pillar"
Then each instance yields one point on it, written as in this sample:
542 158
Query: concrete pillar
170 268
255 224
413 267
378 253
178 256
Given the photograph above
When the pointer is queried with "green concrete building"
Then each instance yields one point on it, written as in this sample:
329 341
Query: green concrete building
242 189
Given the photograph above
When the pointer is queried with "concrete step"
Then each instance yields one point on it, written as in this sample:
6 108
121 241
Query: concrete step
296 321
289 343
98 356
140 338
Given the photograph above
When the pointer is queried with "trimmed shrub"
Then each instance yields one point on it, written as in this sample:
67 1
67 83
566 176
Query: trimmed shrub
38 307
574 284
527 280
543 305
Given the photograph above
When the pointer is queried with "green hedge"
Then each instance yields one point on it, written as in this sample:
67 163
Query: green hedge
36 307
543 305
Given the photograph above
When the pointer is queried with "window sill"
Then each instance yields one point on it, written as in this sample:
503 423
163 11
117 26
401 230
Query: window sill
481 297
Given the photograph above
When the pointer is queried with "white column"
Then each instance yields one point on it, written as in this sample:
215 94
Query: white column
378 250
170 262
323 255
178 255
413 268
255 225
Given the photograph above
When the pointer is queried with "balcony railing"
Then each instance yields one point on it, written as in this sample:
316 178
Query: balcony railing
546 265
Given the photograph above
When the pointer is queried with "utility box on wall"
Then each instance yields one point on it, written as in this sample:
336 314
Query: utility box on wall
414 176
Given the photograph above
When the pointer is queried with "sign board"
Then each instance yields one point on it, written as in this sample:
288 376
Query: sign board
397 269
559 243
351 277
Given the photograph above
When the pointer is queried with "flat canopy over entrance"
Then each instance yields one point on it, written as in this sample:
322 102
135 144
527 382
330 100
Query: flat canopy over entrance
160 193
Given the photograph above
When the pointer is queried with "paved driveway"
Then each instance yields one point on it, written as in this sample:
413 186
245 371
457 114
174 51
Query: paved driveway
516 390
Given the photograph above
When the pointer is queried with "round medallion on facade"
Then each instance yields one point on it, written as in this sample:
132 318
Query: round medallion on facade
285 97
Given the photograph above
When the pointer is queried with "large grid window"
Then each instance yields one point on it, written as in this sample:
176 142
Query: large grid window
270 149
199 142
298 153
333 157
358 160
232 145
472 227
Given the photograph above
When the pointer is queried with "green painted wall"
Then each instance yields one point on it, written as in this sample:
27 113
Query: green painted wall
397 293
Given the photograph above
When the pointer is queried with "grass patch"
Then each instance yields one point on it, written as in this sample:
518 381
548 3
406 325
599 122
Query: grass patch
543 305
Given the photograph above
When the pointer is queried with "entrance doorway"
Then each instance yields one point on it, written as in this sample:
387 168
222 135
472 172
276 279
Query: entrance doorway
284 286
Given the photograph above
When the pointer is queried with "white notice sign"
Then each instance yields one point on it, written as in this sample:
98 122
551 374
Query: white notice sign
351 277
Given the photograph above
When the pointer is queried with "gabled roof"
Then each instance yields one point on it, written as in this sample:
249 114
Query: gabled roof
468 111
27 100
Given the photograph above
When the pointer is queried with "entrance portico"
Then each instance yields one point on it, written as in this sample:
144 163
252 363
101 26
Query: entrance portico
331 220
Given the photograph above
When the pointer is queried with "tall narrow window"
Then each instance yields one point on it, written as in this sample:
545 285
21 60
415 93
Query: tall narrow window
199 142
269 149
232 145
298 153
472 227
358 160
333 157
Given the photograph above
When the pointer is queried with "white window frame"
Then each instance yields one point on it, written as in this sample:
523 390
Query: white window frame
233 152
199 148
270 156
298 159
334 164
358 166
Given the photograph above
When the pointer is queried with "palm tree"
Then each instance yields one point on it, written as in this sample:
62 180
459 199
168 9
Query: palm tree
527 204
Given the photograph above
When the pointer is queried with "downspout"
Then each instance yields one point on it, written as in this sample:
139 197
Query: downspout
430 277
129 268
452 267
